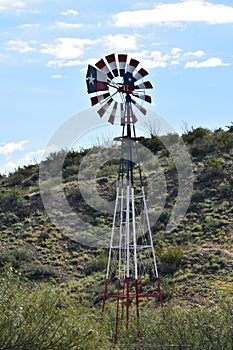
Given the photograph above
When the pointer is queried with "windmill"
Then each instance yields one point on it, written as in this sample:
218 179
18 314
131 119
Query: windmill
116 85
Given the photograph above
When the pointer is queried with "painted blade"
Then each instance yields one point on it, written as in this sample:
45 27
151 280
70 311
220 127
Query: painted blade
104 108
128 79
140 74
104 68
96 80
137 105
145 85
113 113
111 59
122 63
122 114
146 98
134 118
97 99
132 65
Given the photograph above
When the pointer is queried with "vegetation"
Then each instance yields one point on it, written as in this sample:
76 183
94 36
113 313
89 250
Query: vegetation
44 275
43 317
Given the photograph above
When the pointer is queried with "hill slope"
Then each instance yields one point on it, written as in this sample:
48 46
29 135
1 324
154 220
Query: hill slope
195 260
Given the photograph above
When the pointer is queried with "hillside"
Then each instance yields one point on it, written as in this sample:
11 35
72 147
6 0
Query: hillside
195 260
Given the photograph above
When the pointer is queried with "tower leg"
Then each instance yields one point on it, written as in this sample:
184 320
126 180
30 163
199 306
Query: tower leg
127 304
117 310
160 294
137 308
105 295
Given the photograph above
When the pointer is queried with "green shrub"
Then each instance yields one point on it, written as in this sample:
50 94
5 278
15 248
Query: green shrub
38 272
45 318
170 259
16 258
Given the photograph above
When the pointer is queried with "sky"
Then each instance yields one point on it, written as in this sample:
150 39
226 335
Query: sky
46 46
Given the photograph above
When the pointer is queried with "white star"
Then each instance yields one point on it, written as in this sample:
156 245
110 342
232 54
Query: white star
91 79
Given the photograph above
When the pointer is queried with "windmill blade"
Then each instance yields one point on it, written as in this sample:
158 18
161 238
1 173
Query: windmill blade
111 59
134 118
145 85
113 113
96 80
104 68
104 108
137 105
97 99
122 114
140 74
128 79
122 59
132 65
143 97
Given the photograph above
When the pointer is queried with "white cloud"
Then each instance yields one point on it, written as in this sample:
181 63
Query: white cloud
6 5
12 147
170 14
176 51
150 64
175 63
64 25
66 48
154 59
70 12
120 42
58 76
30 25
209 63
32 157
18 45
67 51
198 53
64 63
29 158
159 56
49 149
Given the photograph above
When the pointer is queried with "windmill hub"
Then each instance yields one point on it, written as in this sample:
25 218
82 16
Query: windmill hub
126 89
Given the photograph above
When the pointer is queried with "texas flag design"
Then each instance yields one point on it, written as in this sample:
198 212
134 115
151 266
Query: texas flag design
96 80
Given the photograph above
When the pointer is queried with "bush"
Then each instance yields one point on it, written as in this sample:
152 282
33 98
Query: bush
45 318
97 264
195 134
15 258
170 259
206 327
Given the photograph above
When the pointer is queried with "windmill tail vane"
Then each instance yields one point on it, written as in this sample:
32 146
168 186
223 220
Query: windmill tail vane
131 257
103 81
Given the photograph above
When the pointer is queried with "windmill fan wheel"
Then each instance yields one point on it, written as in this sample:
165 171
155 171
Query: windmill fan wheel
115 81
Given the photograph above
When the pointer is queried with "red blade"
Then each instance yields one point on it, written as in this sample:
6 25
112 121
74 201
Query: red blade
132 65
140 74
97 99
141 109
134 118
146 85
105 107
122 64
111 59
146 98
104 68
113 114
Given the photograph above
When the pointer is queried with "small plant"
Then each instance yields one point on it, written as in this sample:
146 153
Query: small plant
170 259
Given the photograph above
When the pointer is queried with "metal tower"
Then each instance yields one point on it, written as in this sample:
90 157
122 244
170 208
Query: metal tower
131 270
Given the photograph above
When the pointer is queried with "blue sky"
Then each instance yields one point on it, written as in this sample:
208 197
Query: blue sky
46 46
